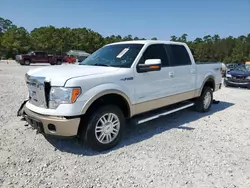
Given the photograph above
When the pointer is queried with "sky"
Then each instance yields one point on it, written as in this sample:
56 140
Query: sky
141 18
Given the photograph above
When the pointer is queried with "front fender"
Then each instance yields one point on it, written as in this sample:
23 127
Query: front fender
98 91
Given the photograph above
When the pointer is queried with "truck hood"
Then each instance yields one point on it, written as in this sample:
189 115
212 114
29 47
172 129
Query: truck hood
58 75
239 73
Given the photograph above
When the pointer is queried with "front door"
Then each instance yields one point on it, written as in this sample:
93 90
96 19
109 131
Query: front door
152 86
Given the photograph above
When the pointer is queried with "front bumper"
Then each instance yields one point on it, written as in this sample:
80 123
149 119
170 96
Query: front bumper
238 83
51 125
20 60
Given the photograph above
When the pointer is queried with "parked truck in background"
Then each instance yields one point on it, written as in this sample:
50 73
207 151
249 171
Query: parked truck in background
132 80
39 57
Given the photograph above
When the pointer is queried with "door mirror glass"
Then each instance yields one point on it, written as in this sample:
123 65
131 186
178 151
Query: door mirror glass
149 65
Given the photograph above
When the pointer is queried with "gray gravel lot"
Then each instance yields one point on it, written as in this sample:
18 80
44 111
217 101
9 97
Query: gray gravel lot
186 149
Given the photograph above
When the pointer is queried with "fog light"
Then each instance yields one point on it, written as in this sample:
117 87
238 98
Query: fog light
52 127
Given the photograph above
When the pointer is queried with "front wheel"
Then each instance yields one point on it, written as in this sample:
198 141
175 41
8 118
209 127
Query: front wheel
104 128
204 102
225 83
26 62
58 62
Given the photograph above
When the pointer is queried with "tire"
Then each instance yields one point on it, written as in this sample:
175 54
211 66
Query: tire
93 134
26 62
204 102
248 87
58 62
225 83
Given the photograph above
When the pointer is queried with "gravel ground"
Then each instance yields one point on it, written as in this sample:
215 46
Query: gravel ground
186 149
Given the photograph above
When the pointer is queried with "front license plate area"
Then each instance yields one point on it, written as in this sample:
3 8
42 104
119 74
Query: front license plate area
36 124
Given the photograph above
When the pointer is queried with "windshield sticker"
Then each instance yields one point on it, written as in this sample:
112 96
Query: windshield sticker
122 53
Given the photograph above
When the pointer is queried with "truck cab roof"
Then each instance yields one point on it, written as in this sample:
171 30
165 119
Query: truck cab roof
147 42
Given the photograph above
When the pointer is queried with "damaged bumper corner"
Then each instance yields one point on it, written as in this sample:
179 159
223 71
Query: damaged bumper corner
20 110
50 125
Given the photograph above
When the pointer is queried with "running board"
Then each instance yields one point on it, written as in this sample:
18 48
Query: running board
163 112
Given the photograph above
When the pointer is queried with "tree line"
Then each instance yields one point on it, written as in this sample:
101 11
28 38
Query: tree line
17 40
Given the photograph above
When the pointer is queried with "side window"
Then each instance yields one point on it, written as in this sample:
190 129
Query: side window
180 56
40 54
155 51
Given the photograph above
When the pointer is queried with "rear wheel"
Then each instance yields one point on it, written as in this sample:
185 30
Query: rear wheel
204 102
104 128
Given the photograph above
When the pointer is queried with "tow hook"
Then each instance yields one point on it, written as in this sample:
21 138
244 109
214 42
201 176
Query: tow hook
20 110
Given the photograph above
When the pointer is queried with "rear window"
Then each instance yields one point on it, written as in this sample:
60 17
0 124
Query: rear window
180 56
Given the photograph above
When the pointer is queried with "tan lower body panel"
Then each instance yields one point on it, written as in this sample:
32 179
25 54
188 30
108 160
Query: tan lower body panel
64 127
158 103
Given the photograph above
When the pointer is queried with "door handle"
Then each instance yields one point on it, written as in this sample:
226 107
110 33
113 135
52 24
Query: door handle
171 74
192 71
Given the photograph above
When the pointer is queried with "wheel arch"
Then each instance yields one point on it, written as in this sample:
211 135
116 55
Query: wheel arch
107 94
209 81
26 59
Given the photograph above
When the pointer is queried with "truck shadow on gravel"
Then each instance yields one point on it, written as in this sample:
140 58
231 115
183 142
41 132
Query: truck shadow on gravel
136 134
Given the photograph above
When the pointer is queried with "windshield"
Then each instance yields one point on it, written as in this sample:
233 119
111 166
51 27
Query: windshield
245 68
117 55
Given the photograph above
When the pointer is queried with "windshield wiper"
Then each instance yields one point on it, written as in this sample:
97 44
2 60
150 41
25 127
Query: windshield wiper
100 64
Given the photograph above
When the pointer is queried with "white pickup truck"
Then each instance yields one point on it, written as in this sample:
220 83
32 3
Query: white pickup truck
132 80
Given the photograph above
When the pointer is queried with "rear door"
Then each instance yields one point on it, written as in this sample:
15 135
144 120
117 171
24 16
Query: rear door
41 57
182 72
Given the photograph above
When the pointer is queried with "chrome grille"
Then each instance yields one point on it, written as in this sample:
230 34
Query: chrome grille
36 90
238 79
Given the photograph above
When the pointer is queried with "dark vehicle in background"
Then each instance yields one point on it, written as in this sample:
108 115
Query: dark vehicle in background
39 57
238 77
231 66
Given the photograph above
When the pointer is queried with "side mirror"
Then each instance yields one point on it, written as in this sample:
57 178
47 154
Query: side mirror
149 65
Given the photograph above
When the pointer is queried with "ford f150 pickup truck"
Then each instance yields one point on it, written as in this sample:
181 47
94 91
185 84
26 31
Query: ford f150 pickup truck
38 57
132 80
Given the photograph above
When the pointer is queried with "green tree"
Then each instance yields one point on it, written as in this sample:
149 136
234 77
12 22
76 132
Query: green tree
15 40
173 38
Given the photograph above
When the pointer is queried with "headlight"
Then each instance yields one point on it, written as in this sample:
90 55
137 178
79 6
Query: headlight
63 95
228 75
248 78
